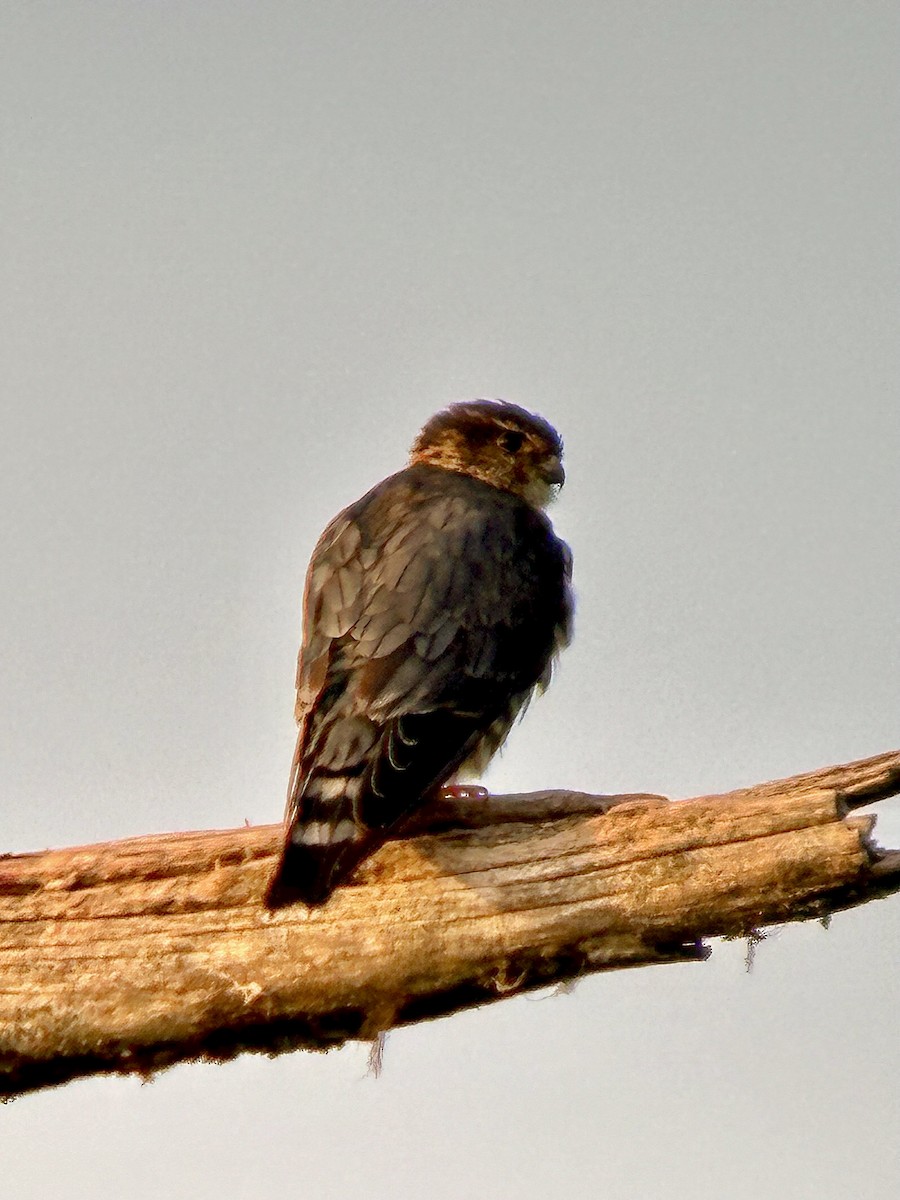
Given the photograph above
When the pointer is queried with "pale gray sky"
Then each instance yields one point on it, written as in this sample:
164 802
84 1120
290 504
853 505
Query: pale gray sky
247 249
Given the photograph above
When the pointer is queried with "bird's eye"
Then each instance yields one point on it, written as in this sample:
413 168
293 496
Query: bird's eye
510 441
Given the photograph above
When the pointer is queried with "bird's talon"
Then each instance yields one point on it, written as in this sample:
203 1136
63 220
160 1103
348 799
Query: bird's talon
464 791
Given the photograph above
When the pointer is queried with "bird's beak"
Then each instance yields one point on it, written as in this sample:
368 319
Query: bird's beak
554 472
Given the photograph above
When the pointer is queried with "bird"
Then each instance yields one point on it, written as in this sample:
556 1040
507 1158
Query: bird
434 608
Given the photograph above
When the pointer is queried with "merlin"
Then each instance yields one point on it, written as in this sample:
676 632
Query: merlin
434 608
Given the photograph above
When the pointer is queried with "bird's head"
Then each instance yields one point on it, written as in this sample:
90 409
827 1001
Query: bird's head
498 443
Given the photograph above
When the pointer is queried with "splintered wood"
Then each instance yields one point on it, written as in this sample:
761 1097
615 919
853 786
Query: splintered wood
132 955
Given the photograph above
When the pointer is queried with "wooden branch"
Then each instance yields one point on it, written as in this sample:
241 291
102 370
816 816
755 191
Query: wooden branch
129 956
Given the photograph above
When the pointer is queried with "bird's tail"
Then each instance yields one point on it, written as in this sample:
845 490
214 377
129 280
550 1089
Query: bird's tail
324 840
337 816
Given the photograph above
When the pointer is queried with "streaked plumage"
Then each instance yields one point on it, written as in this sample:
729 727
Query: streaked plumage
433 608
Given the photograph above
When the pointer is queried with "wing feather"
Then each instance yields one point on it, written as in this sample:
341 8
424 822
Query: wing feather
433 607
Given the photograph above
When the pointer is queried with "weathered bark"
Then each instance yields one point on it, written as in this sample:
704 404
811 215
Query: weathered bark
132 955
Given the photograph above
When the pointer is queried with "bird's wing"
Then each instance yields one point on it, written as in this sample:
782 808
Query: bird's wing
433 606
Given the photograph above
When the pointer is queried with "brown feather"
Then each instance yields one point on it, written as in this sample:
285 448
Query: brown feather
433 609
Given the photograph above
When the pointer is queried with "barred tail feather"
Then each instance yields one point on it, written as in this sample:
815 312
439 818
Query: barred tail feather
310 873
337 817
324 841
